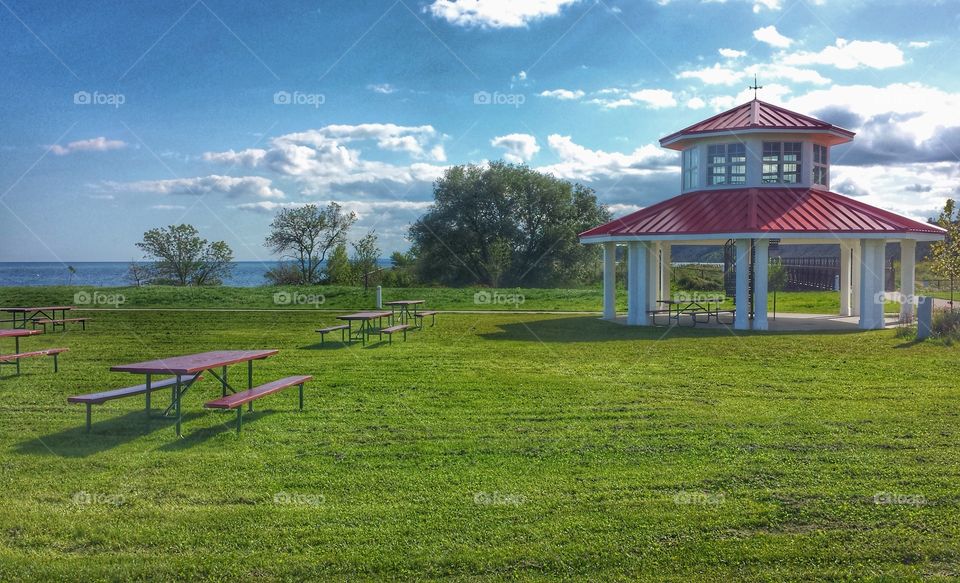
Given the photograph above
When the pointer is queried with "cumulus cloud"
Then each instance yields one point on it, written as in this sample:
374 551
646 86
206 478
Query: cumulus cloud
382 88
364 209
732 53
719 74
496 13
231 186
563 94
519 147
330 157
851 55
771 36
614 98
99 144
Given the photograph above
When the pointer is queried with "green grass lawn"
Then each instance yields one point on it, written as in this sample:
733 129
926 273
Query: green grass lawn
491 446
353 298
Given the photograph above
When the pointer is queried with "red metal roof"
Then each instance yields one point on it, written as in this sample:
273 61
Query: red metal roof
754 115
760 210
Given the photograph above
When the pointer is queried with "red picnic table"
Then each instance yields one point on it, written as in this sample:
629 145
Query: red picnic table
192 365
17 334
366 323
20 316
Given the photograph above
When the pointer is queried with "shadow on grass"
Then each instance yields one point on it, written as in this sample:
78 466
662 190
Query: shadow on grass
329 345
593 329
227 424
113 431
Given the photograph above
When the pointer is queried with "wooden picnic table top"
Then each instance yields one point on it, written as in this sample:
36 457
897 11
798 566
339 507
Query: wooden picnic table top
365 316
37 309
19 332
405 302
194 363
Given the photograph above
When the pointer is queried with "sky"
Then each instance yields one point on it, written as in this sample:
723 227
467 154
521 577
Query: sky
119 117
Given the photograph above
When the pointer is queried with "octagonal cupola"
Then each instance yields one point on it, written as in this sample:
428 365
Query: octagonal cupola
756 145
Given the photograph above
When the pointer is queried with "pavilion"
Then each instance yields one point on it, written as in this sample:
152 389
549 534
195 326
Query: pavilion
751 175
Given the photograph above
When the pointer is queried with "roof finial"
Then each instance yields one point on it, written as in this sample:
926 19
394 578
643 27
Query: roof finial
755 87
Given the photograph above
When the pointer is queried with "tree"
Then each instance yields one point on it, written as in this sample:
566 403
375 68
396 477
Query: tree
366 256
339 271
140 273
945 255
182 257
306 234
506 224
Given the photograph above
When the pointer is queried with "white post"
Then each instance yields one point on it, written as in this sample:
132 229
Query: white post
742 319
871 284
856 261
634 270
653 274
761 262
609 281
379 297
845 309
908 257
666 272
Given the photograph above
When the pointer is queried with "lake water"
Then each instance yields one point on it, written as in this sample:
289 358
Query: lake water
111 273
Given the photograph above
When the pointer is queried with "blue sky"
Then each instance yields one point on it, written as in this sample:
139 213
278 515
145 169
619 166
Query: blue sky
122 116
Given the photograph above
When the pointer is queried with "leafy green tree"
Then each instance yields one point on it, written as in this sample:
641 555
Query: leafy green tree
366 256
182 257
506 224
339 271
304 235
945 255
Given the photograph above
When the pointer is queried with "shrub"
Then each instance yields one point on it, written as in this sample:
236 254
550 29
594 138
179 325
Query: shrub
283 274
946 325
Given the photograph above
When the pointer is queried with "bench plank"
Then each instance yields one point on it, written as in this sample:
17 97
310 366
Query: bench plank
104 396
243 397
47 352
333 328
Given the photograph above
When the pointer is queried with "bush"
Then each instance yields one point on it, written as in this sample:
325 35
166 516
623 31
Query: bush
283 274
946 325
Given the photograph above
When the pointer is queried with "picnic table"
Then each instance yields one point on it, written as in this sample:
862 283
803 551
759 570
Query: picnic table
366 324
193 365
402 308
21 316
693 308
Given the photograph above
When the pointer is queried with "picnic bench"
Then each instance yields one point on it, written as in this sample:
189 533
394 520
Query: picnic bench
419 316
91 399
14 358
21 316
190 365
695 309
390 330
341 327
238 400
403 310
366 324
62 322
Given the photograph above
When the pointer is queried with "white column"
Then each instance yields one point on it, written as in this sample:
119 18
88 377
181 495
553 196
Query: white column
653 274
855 261
742 319
609 281
845 308
633 283
871 284
908 259
760 280
666 272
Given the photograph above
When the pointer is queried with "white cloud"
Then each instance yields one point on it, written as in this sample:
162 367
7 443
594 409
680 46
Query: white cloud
519 147
99 144
563 94
919 44
732 53
654 98
382 88
583 164
621 209
916 190
851 55
715 75
718 74
330 157
696 103
496 13
363 208
232 186
771 36
759 5
168 207
614 98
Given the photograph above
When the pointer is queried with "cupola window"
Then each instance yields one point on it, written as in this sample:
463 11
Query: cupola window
820 165
726 164
781 162
691 168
